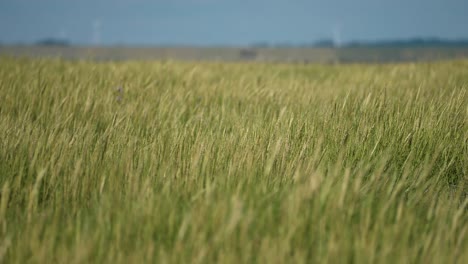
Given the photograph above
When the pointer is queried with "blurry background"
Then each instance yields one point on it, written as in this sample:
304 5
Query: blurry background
273 30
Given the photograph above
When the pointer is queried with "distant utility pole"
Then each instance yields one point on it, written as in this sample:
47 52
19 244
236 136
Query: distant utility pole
97 32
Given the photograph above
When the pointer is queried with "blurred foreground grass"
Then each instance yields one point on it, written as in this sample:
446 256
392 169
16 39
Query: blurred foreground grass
232 163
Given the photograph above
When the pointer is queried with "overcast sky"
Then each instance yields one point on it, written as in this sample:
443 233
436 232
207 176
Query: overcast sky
229 22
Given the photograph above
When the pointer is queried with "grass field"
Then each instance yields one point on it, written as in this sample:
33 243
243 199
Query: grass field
233 162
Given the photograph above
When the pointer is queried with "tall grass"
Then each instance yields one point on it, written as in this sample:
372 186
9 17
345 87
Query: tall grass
232 163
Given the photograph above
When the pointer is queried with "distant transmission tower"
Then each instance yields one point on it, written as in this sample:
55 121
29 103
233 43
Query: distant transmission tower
337 36
97 32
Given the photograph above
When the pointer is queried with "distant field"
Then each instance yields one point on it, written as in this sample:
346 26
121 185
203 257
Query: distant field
184 162
297 55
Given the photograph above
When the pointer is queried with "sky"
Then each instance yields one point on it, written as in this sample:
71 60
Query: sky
229 22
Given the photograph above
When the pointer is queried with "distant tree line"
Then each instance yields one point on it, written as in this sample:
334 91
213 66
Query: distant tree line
323 43
53 42
413 42
410 43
